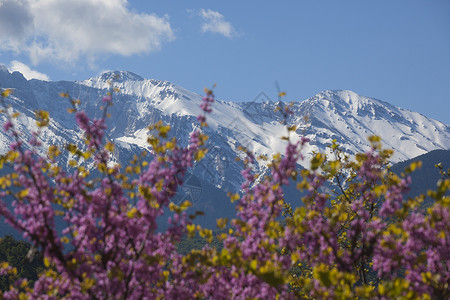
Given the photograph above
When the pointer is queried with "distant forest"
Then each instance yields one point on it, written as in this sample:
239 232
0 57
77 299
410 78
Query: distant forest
15 253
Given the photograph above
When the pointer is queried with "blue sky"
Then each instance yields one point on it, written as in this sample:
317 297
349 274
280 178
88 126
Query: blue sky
396 51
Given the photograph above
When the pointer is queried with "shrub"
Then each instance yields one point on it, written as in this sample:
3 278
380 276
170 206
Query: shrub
359 240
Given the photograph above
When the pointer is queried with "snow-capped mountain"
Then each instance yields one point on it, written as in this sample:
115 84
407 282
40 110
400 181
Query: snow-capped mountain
342 115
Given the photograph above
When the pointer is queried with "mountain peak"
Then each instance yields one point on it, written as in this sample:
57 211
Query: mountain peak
340 95
349 100
337 92
4 69
120 76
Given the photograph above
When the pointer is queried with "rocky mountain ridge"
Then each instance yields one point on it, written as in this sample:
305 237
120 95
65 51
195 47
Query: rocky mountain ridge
342 115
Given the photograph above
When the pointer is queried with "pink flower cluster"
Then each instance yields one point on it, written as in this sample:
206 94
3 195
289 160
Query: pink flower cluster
353 234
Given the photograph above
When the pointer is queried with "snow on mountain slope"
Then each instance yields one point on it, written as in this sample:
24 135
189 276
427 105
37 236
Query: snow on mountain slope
351 118
342 115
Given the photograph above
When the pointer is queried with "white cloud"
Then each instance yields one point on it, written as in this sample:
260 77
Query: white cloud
16 22
26 71
214 22
67 30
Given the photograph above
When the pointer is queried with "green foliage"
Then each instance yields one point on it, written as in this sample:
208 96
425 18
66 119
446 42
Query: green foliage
187 244
15 254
